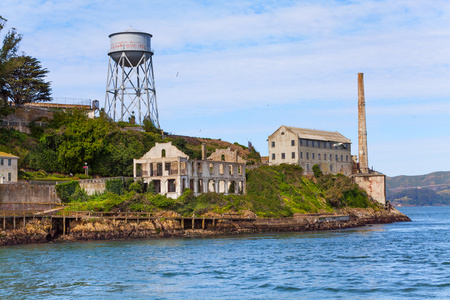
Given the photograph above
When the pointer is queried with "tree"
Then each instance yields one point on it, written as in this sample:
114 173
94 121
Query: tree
8 51
27 83
149 125
317 171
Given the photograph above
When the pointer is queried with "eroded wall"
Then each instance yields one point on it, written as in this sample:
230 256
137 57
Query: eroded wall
373 184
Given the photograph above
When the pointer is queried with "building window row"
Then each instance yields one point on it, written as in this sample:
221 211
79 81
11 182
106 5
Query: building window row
319 156
320 144
2 162
313 156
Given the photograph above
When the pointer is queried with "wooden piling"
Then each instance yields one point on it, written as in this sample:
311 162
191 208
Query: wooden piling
203 223
193 222
64 225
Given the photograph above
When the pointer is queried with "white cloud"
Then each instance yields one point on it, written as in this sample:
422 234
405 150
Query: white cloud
246 67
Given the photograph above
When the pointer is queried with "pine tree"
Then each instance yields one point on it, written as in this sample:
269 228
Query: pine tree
26 84
8 51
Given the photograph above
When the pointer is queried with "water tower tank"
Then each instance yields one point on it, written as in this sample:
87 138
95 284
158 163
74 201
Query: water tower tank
132 43
130 85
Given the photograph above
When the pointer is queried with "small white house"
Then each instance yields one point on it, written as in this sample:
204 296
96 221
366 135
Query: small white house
8 168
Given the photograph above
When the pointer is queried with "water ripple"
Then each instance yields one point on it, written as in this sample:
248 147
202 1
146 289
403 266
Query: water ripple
401 261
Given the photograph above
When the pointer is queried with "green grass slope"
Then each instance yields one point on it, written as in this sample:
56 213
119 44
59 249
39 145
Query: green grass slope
276 191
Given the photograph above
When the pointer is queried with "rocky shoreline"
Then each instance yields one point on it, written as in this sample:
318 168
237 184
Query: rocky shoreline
43 230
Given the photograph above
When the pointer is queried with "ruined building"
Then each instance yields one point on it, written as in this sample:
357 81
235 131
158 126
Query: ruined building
171 171
308 147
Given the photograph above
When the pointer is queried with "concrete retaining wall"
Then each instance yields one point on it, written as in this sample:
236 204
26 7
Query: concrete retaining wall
25 196
92 186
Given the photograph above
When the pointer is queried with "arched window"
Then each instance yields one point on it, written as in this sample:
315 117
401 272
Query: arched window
222 157
163 153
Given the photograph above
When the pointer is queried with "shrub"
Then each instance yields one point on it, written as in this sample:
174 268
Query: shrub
41 174
66 190
151 187
317 171
79 195
128 182
136 186
114 186
162 202
82 176
24 175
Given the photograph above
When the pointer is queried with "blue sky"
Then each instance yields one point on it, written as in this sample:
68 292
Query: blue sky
247 67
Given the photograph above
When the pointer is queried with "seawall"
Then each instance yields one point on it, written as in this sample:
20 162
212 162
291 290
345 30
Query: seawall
26 196
94 228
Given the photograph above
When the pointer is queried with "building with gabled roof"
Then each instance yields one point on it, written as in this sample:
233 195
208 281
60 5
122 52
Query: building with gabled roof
8 168
308 147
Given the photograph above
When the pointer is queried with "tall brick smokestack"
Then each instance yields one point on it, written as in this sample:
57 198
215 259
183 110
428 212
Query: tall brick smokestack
362 130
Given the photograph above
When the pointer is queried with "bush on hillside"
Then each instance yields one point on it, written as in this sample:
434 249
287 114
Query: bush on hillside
114 186
66 190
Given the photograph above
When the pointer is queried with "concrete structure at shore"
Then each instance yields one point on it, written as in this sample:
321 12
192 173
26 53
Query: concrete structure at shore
372 182
171 171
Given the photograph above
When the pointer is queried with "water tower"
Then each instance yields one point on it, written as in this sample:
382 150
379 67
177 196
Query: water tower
130 87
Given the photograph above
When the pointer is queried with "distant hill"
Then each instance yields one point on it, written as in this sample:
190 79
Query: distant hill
429 189
436 181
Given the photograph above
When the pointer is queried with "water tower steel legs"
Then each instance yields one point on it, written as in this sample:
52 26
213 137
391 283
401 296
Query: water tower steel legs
133 89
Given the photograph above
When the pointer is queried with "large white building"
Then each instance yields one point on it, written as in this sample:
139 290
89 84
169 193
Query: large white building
8 168
308 147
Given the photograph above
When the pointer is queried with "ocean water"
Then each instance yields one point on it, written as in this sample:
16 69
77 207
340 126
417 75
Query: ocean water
393 261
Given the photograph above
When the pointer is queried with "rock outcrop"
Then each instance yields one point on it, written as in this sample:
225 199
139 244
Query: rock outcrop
170 225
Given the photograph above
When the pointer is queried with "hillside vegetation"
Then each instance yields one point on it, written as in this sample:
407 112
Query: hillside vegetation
277 191
72 139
